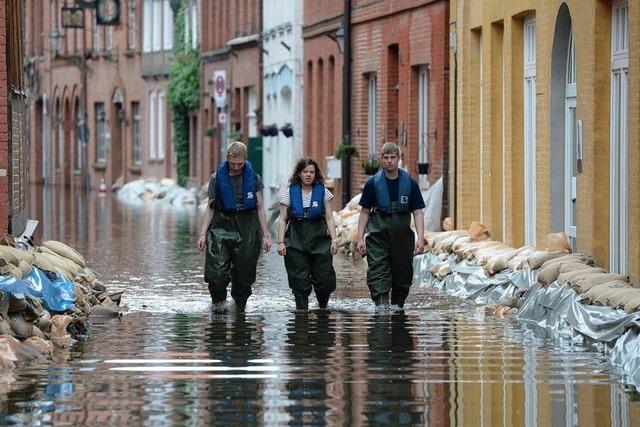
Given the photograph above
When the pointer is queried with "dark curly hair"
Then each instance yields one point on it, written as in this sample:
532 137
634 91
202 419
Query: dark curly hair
303 163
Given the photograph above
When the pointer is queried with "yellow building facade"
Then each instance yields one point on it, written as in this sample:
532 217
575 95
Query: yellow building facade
544 123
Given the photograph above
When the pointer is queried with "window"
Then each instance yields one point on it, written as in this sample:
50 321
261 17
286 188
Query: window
423 121
194 24
161 125
137 133
59 135
530 130
96 33
157 26
572 144
101 134
79 132
618 139
372 117
152 125
132 34
108 39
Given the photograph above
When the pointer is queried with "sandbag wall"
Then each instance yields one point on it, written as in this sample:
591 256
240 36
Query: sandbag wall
565 293
46 296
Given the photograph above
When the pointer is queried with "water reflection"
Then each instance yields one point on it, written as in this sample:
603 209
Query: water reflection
170 361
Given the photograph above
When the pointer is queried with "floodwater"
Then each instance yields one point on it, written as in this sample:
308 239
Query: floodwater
169 361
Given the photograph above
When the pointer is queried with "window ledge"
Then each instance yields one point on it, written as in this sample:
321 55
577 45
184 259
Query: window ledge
137 169
100 166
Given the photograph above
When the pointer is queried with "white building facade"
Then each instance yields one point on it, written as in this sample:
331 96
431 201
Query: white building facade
282 95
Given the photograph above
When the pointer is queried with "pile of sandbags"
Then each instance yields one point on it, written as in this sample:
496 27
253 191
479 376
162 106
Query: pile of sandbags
346 222
555 264
46 293
164 191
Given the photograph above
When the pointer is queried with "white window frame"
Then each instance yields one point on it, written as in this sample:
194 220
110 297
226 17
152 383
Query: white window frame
152 125
96 33
167 26
618 194
161 125
147 26
132 33
156 26
530 130
194 24
372 113
423 121
572 144
108 38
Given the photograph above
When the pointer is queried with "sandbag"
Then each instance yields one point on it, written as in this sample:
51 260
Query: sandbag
558 242
444 246
7 356
589 280
499 262
18 254
8 255
566 267
25 268
632 304
536 259
551 269
518 262
11 270
447 224
65 251
571 276
49 262
477 230
599 295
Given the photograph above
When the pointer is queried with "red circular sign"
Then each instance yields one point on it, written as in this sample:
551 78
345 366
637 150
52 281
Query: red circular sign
219 85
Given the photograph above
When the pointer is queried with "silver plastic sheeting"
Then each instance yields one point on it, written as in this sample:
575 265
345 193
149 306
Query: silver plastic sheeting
555 308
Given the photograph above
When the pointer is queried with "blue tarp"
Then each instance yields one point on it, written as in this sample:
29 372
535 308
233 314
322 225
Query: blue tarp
57 295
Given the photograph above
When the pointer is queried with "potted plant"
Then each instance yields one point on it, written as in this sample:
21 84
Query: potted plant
263 130
424 168
236 136
273 130
210 130
346 149
370 166
287 130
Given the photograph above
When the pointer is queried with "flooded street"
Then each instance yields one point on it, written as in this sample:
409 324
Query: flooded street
169 361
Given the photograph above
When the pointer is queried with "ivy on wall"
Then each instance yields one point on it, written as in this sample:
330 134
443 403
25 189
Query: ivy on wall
184 93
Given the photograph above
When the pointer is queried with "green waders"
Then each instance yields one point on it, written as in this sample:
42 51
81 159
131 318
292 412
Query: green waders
308 261
233 247
390 256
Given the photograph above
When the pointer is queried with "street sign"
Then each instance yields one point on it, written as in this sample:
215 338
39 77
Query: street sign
222 118
72 17
220 88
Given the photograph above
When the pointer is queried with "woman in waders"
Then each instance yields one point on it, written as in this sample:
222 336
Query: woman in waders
309 242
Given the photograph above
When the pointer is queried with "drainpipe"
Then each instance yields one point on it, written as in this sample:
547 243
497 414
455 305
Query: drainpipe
346 103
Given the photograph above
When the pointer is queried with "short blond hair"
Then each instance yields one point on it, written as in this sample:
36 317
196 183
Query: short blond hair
237 149
390 148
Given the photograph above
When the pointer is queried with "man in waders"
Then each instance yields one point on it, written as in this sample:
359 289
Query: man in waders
388 200
233 229
309 242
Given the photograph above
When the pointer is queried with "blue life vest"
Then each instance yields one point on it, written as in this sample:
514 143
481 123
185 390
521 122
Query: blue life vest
315 211
225 190
382 193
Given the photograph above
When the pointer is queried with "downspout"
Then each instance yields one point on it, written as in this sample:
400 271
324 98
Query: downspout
346 103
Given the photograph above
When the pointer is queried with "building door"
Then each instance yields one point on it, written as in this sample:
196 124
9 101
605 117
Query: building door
116 147
618 140
572 145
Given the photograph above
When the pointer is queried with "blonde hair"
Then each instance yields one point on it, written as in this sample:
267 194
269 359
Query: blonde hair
390 148
237 149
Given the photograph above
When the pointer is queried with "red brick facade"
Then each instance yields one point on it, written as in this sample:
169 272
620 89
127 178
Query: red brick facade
322 82
4 126
104 70
231 43
393 40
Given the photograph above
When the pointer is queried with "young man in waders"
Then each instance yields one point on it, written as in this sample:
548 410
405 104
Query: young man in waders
234 229
389 199
309 242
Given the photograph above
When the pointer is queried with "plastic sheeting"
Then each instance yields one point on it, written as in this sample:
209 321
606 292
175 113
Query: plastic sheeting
556 308
56 294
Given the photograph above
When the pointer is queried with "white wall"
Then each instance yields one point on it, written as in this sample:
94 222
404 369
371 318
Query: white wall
282 23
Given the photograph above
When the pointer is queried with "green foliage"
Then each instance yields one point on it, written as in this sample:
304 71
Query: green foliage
184 93
210 130
346 148
370 163
235 136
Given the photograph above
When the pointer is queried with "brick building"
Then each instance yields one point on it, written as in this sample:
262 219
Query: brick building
322 118
547 128
231 85
400 83
99 106
13 151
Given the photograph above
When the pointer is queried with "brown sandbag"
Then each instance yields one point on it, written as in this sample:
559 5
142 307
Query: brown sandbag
632 304
25 268
600 295
444 245
558 242
11 270
18 254
7 356
588 280
104 310
477 230
9 255
572 275
499 262
551 269
52 262
22 328
447 224
43 345
536 259
65 251
5 327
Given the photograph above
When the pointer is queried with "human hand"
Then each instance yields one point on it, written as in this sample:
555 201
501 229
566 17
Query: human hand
362 247
266 243
282 249
419 247
201 242
334 248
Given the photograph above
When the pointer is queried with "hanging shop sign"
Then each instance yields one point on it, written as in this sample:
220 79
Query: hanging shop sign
220 88
108 12
72 17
